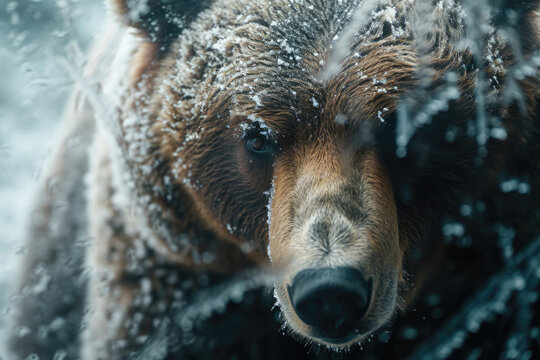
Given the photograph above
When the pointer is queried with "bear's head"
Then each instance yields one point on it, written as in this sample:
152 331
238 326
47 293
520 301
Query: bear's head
279 127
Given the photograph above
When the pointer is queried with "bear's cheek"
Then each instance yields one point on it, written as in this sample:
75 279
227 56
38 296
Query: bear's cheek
228 188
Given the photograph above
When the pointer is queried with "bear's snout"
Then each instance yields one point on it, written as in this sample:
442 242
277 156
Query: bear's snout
334 238
331 300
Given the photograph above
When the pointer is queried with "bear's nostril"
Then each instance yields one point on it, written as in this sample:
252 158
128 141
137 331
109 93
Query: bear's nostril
331 300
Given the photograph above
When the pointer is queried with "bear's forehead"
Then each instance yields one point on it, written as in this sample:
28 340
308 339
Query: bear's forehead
266 59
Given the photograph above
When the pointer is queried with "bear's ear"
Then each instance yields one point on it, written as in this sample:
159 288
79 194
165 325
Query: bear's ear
160 20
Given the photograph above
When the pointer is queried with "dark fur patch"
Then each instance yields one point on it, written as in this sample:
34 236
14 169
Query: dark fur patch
160 20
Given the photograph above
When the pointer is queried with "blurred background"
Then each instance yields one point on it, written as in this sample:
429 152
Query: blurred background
34 34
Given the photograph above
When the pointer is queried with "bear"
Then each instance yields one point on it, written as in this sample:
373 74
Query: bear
318 146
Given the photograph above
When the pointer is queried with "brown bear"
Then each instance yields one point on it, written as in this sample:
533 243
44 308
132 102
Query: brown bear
317 145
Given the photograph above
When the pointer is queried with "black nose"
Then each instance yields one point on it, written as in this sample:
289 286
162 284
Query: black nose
331 300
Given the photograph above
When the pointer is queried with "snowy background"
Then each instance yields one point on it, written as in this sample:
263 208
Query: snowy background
33 91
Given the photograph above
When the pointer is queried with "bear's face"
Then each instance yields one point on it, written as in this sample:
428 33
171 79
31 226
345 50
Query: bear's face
288 164
278 159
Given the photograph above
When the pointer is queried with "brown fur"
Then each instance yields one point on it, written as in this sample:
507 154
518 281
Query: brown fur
174 189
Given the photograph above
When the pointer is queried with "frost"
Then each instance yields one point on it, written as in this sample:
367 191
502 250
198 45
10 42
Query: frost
466 210
521 187
136 8
410 333
341 47
380 113
231 229
341 119
270 194
484 305
210 301
264 128
499 133
453 229
257 100
506 237
411 115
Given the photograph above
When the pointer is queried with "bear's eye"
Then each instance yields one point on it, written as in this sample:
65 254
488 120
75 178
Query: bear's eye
257 143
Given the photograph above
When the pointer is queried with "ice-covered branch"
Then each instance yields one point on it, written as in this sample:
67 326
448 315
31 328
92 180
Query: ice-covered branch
482 307
342 46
